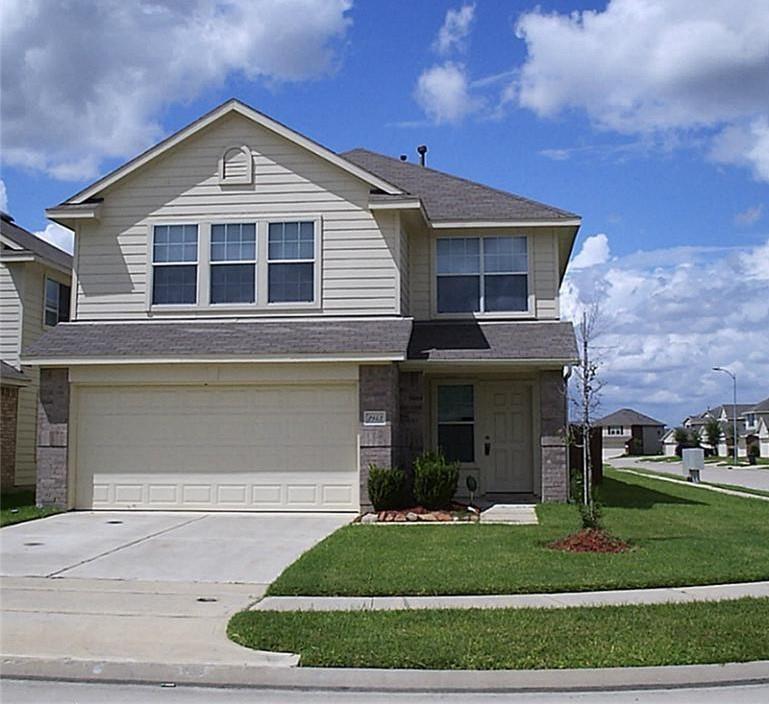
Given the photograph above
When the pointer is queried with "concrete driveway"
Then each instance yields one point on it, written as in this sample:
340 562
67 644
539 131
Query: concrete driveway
142 586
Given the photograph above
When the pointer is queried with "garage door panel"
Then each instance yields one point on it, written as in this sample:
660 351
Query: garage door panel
218 448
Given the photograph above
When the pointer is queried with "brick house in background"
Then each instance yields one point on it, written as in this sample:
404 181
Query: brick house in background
256 319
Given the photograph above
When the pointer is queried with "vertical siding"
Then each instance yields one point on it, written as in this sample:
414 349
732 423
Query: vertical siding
543 267
359 268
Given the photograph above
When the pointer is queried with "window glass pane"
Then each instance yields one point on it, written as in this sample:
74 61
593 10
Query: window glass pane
504 254
51 317
457 442
291 283
64 294
51 294
175 243
459 294
233 242
506 292
455 403
459 255
232 283
291 240
174 284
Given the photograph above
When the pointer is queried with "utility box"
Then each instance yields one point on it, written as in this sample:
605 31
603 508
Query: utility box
694 463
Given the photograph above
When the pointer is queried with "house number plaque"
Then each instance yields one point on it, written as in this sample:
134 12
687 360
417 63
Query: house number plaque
374 417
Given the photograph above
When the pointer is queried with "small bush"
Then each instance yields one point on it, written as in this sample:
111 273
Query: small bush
591 516
435 480
387 488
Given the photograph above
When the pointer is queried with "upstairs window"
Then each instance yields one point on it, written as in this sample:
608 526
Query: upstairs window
233 263
175 265
456 422
482 274
616 430
56 302
750 419
291 262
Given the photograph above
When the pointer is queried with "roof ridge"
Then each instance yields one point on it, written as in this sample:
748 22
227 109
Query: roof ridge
446 174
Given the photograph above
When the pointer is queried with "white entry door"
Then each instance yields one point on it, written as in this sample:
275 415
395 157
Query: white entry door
226 448
506 437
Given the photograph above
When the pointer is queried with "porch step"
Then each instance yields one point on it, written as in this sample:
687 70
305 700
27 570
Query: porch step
513 514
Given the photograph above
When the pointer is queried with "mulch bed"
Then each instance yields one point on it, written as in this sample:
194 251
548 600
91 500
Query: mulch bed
590 540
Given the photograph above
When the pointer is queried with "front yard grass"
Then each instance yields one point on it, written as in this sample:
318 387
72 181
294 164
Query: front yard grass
19 506
720 485
680 536
477 639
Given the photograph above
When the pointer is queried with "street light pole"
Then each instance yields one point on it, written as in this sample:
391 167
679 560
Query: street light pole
734 411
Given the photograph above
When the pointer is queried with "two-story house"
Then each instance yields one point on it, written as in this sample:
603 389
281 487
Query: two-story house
256 319
756 421
34 297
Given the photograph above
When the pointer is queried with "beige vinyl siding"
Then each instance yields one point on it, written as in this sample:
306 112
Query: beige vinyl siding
405 273
11 281
32 328
543 267
359 264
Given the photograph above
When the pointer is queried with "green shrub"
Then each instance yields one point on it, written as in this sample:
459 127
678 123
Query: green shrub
435 480
387 488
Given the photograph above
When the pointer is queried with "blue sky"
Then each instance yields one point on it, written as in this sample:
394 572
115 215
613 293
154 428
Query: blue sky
648 118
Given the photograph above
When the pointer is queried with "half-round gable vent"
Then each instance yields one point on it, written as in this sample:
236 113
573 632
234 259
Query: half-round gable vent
236 166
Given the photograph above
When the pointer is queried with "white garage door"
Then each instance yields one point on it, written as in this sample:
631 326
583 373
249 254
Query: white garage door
217 447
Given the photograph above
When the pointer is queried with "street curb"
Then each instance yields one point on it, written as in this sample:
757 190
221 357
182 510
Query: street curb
214 675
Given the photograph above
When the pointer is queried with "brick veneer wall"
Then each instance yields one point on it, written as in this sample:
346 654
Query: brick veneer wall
413 416
52 436
378 390
553 450
9 404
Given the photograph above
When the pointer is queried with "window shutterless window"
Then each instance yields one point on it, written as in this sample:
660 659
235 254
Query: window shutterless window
56 302
616 430
174 264
233 263
456 422
482 274
291 262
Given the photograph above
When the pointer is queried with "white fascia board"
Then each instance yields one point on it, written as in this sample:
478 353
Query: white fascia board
203 359
415 204
67 212
427 364
460 224
24 256
229 107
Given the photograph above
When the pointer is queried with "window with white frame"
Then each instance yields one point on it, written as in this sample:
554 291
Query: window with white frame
482 274
750 420
56 302
175 264
291 262
616 430
233 263
456 422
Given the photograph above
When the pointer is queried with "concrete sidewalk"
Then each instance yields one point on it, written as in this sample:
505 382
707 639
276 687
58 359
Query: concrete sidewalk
708 487
716 592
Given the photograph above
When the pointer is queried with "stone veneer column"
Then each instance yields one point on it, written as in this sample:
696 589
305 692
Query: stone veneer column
52 434
553 449
9 404
378 391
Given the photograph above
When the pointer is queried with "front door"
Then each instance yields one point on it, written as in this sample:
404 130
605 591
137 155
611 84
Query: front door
506 437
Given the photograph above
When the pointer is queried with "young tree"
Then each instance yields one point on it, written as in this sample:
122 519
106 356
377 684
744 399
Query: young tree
713 433
588 387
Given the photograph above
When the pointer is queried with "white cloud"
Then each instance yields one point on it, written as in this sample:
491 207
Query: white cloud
668 316
595 250
3 197
455 29
58 236
650 66
750 215
89 80
442 91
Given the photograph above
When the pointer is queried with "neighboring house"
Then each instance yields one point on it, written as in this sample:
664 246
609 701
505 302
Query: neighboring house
34 297
644 434
257 319
669 443
756 427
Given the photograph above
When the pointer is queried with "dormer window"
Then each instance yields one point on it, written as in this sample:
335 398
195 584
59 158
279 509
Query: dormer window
236 166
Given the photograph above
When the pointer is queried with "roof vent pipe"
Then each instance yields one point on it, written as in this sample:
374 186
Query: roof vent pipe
422 151
404 157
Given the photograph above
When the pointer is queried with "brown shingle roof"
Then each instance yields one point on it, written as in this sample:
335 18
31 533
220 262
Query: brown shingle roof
11 374
627 416
32 243
448 198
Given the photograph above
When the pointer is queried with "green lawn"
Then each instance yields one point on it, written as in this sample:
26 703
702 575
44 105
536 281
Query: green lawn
681 535
609 636
19 506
